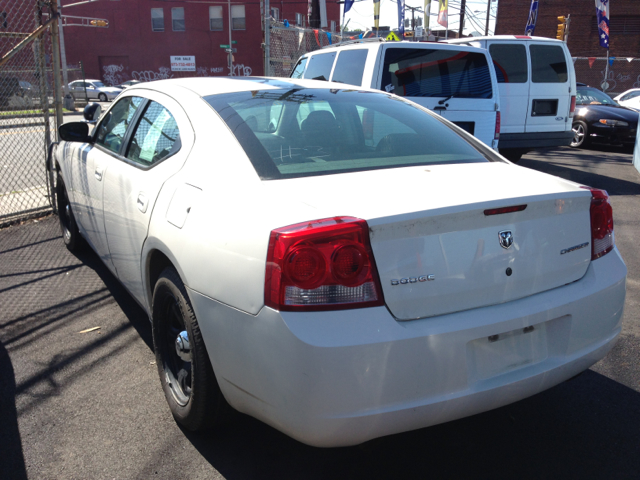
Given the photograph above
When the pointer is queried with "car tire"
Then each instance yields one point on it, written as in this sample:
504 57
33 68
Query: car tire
186 375
68 226
102 97
580 134
513 155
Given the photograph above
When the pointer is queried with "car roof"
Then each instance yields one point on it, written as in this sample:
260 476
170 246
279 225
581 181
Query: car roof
504 38
205 86
376 43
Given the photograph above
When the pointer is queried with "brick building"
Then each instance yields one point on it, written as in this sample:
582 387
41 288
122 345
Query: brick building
624 28
144 34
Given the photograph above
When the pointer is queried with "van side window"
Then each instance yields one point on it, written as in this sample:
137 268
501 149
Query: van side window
425 72
510 62
350 67
548 64
319 66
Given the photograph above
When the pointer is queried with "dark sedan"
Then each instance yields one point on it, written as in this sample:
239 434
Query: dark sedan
600 119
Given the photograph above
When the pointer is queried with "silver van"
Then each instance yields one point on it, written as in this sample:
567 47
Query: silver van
537 85
455 81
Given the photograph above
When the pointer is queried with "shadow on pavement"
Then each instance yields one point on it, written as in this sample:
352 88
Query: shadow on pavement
11 457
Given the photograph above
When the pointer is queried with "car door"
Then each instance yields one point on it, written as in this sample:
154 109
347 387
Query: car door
511 64
109 140
156 149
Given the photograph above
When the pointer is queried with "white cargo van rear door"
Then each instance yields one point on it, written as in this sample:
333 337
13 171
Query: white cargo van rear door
549 91
456 82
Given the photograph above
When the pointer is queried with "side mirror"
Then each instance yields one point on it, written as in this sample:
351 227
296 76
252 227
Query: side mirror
74 132
92 112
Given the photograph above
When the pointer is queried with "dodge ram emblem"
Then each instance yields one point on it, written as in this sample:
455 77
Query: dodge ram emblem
506 238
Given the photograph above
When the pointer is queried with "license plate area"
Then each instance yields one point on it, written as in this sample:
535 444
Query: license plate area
468 127
544 108
504 352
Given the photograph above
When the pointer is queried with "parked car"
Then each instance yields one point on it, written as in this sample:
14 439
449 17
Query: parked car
94 89
537 85
629 99
339 263
600 119
15 93
455 81
127 84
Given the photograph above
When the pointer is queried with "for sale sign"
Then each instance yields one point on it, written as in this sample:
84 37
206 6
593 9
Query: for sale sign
183 63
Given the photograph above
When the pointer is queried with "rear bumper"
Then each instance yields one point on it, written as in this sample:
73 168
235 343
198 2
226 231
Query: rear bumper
341 378
535 140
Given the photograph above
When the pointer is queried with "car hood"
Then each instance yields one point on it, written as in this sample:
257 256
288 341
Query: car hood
612 112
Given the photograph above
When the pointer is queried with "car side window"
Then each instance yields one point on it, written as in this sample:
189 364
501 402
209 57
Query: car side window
113 127
350 67
319 66
299 68
156 136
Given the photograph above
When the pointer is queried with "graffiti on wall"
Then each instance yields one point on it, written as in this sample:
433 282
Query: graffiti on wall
150 75
239 70
112 75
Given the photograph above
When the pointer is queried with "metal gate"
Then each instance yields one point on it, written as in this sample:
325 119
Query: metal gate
27 106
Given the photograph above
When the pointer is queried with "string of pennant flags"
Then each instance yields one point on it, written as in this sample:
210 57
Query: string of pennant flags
592 60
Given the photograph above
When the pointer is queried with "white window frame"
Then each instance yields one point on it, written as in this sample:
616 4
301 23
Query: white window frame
333 25
157 10
275 13
212 17
174 10
242 20
300 20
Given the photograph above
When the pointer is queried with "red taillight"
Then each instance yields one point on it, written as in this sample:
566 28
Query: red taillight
322 265
572 108
496 134
601 223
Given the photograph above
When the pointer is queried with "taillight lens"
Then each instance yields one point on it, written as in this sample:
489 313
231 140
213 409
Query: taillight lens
322 265
601 223
496 134
572 108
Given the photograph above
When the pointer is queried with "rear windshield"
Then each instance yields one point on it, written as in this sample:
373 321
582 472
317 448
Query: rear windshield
289 133
548 64
422 72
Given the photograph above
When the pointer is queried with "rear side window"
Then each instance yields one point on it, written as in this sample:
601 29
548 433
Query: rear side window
319 66
548 64
350 67
156 136
299 68
510 62
422 72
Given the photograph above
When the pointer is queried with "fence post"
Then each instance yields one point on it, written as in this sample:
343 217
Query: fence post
56 65
267 38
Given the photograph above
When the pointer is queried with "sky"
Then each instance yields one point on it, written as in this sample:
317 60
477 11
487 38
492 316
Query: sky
361 14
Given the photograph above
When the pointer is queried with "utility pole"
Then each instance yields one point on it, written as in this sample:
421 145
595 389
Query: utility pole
230 42
68 99
56 63
267 38
486 25
463 5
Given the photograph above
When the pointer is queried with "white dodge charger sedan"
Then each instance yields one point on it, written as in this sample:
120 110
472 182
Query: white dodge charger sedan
337 262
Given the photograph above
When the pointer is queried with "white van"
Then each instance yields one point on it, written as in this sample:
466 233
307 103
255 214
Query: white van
455 81
537 85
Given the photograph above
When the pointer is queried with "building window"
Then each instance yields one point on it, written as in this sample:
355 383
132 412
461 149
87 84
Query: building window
157 19
237 17
333 25
177 19
215 18
300 19
275 14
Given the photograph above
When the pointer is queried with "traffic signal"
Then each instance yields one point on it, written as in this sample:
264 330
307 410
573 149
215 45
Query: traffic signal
562 26
99 23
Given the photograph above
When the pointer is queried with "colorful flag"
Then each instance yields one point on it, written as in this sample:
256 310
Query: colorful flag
427 14
533 17
376 13
443 13
602 13
401 19
347 5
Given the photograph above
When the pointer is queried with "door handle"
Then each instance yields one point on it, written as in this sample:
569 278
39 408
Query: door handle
98 173
142 202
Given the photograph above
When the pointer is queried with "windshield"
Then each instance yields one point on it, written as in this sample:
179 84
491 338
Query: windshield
593 96
297 132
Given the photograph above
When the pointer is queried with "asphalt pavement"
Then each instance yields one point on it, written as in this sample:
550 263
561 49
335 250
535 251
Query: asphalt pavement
89 405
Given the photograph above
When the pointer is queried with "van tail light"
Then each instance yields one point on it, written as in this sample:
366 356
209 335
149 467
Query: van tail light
572 108
602 241
323 264
496 135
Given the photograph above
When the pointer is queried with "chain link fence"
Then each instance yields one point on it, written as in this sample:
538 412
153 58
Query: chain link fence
621 75
27 119
289 43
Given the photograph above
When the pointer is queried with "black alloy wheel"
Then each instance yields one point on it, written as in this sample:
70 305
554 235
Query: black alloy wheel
186 375
68 226
580 134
